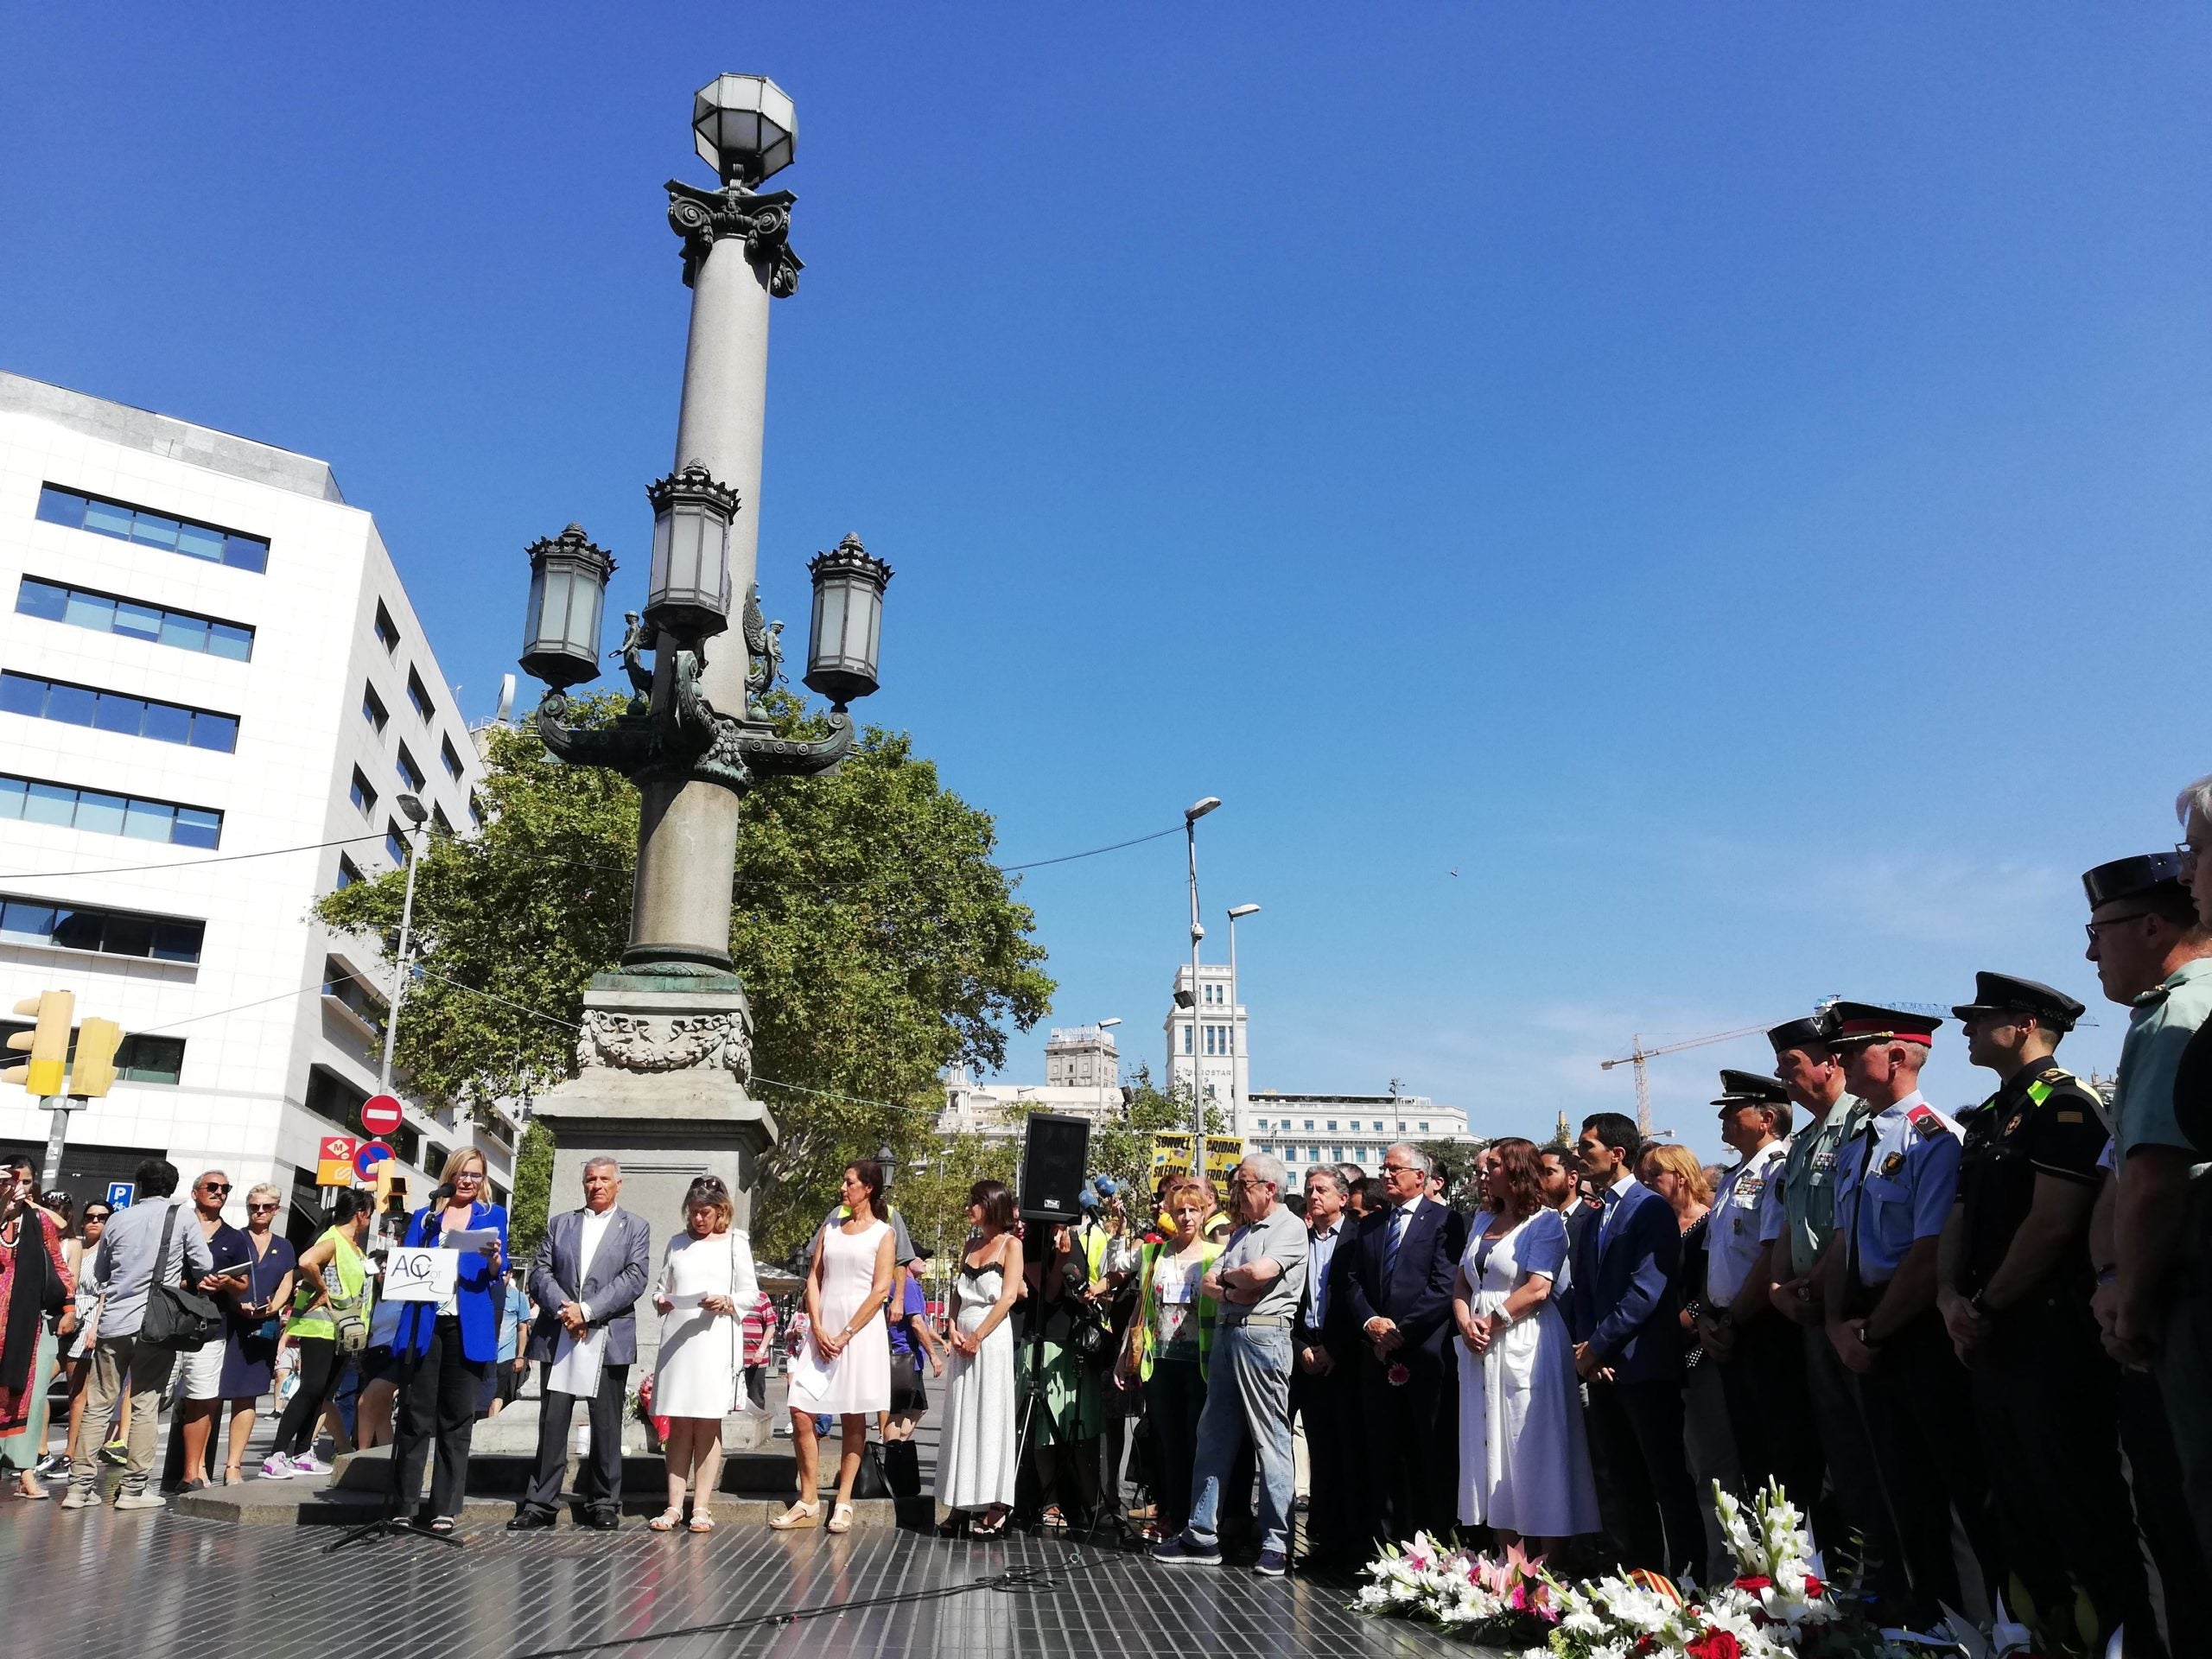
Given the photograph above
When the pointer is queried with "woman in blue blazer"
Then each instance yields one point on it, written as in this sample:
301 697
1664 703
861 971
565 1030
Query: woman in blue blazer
446 1351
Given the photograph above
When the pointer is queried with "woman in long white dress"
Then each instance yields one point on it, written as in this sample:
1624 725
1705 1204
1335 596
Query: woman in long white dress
1524 1464
707 1281
844 1370
976 1460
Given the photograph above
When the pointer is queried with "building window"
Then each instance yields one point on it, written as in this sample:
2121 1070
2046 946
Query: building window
137 1059
1309 1125
1337 1153
1424 1128
372 709
1187 1039
448 759
387 630
410 770
438 818
348 873
341 986
475 812
109 932
1312 1155
109 711
419 694
1332 1126
101 813
129 523
363 796
82 607
395 843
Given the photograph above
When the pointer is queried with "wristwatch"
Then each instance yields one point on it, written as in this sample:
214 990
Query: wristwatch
1979 1303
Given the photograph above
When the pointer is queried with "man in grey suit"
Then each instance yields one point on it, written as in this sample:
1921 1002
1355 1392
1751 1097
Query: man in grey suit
590 1268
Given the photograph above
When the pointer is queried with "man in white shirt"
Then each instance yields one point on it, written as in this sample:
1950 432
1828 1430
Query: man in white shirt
1324 1386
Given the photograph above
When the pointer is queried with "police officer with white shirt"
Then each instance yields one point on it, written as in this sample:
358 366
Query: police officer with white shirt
1897 1180
1761 1360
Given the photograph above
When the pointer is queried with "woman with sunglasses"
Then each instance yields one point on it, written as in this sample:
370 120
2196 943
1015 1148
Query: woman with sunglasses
256 1320
76 1347
332 1275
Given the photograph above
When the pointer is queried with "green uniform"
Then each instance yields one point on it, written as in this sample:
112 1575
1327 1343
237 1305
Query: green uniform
1808 1181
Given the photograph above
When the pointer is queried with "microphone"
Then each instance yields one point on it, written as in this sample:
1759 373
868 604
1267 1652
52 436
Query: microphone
443 1194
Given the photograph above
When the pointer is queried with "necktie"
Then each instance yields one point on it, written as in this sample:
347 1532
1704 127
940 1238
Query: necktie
1397 1237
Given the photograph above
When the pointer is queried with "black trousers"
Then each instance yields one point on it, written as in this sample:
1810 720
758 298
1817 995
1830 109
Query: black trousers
1648 1506
1918 1401
2161 1510
2047 1397
1329 1408
1769 1407
598 1483
1410 1448
319 1374
438 1391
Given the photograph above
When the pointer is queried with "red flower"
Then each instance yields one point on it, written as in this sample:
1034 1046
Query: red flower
1813 1587
1714 1644
1753 1586
1398 1376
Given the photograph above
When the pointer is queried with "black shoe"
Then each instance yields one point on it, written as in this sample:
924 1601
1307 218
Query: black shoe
530 1521
603 1521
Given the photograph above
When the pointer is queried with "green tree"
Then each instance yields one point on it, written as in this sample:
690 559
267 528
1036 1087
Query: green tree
1459 1158
533 1192
933 1195
878 942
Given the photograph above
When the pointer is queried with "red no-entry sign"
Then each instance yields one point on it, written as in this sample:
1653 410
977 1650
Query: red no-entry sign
380 1114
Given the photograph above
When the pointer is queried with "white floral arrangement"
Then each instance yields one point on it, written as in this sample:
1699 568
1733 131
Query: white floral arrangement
1779 1606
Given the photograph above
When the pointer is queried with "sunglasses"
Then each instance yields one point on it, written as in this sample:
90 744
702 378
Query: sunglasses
262 1209
214 1186
96 1215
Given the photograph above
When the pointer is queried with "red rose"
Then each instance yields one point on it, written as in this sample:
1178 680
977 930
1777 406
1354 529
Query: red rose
1753 1586
1714 1644
1813 1587
1398 1376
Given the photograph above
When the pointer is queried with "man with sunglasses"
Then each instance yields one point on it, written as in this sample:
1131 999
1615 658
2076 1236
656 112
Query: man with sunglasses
198 1391
2153 952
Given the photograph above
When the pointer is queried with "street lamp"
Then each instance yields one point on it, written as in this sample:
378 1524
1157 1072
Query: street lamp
889 1163
687 593
567 597
1192 814
746 126
841 650
1235 1104
412 806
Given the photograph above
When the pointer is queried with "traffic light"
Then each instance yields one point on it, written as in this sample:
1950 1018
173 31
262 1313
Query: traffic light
47 1041
91 1072
391 1189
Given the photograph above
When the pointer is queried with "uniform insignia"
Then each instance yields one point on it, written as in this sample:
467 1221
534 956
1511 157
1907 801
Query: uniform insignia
1892 1163
2070 1117
2019 1118
1925 1120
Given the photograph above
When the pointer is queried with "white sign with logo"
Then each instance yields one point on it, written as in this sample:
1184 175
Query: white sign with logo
420 1275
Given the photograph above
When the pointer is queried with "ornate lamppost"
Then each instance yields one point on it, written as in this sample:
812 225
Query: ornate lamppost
665 1050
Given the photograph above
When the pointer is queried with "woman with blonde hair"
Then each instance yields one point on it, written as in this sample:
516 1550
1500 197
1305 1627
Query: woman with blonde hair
1709 1443
707 1281
256 1325
1169 1350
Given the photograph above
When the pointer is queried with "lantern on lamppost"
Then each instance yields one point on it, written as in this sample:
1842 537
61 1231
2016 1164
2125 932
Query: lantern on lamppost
746 128
687 593
841 652
568 596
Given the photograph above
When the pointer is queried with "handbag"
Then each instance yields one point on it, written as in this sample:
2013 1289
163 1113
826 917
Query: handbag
182 1321
869 1481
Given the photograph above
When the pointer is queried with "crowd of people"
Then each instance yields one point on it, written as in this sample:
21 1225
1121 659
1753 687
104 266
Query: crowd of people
1972 1347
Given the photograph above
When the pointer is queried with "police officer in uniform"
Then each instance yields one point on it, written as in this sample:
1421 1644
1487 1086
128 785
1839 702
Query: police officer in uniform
2014 1281
1800 1231
1895 1182
1761 1359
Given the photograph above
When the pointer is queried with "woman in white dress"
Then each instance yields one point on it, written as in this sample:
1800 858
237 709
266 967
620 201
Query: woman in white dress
707 1281
1524 1466
975 1458
844 1370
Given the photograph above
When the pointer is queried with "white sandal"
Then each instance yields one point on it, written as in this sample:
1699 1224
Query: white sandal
798 1517
841 1519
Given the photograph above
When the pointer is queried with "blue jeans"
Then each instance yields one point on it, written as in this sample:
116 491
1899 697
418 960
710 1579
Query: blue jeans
1248 1392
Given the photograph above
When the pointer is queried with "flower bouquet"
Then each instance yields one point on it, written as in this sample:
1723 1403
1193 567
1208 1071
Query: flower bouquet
1778 1606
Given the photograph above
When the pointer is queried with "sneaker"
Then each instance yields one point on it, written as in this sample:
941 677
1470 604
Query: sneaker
141 1501
1272 1564
55 1467
305 1464
1185 1551
276 1466
82 1497
117 1452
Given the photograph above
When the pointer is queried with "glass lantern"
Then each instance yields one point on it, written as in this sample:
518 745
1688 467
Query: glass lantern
568 598
746 127
841 653
688 590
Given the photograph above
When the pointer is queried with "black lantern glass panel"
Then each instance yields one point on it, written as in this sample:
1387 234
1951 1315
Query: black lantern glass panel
568 599
841 653
688 590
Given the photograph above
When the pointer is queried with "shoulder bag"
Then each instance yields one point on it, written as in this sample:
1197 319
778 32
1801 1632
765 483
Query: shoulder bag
182 1321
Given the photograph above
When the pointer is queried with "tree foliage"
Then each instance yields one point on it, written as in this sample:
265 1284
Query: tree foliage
532 1197
877 943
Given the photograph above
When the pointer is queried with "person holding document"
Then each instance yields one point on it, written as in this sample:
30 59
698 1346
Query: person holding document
445 1348
706 1284
590 1268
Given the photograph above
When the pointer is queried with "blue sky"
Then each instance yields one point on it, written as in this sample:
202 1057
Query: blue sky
1730 482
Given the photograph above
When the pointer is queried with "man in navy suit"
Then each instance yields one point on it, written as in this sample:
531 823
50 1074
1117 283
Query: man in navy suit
1396 1310
1622 1309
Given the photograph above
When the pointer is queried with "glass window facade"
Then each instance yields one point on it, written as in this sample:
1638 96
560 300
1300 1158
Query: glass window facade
82 607
448 759
387 630
363 797
126 523
67 807
110 932
395 843
139 1059
109 711
373 708
419 694
410 770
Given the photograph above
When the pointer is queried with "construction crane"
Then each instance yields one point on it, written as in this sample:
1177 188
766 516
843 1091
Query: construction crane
1639 1054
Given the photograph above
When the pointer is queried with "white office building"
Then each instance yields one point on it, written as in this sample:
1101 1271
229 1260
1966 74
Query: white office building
1304 1129
213 693
1206 1040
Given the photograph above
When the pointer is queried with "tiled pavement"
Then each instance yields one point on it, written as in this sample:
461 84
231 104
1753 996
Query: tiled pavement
96 1584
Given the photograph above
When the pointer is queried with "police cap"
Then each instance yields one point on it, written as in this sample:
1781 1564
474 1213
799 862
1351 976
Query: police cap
2128 878
1749 1088
1865 1022
1995 992
1811 1032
